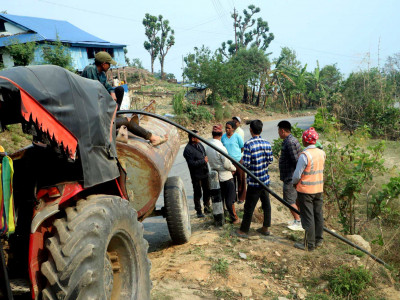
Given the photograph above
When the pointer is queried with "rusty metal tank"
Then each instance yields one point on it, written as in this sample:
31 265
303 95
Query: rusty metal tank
147 167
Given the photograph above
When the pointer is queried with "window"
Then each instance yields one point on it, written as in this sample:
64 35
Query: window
2 26
91 51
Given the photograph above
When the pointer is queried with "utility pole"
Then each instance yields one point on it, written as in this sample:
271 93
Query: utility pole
183 74
234 26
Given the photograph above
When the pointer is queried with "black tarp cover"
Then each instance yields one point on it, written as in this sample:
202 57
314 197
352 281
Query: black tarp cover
82 106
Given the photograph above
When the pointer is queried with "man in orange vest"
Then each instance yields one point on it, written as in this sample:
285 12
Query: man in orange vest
309 181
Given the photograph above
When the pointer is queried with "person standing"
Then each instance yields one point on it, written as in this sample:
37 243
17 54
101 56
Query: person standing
197 160
257 156
224 167
309 181
290 153
238 129
234 143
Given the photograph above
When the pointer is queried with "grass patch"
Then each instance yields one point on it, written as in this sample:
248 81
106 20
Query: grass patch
227 236
355 252
270 294
221 267
318 297
348 282
226 294
240 214
294 237
16 138
161 296
197 251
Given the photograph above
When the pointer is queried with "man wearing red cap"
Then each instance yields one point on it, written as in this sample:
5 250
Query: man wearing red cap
309 181
224 167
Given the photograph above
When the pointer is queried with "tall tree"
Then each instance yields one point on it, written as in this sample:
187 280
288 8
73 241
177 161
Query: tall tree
248 32
165 42
152 27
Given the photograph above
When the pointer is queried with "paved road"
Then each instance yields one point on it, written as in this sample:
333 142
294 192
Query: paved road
156 231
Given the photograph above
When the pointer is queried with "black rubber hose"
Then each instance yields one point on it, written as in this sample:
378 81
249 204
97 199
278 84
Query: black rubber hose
250 174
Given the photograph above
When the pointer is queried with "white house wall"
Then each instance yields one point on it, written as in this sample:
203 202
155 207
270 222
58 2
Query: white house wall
8 61
79 57
12 28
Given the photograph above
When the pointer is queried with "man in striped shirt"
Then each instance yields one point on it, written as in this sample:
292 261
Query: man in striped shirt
257 156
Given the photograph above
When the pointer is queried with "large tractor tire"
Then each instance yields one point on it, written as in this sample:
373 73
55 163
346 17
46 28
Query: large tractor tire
97 252
177 210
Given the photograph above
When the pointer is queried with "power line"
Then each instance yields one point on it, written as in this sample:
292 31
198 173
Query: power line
90 11
130 19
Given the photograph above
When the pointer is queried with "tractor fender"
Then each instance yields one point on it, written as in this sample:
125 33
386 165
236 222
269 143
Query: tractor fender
49 206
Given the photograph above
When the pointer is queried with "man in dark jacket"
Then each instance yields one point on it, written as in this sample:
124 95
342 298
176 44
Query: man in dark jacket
97 71
290 153
197 160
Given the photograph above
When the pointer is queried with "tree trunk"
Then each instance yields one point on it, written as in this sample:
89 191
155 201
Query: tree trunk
253 91
152 65
162 68
245 94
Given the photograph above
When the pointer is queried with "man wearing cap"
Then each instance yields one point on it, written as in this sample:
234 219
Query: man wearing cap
97 71
197 160
238 129
224 167
309 181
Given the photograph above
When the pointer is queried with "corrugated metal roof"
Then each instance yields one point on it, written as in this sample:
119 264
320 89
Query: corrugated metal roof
21 38
49 29
195 85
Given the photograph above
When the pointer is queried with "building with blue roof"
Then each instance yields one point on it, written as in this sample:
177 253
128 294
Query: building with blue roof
81 44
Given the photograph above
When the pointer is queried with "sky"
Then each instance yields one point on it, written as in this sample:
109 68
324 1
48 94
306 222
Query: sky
355 34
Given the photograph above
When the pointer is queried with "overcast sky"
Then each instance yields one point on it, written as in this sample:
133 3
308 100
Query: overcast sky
331 31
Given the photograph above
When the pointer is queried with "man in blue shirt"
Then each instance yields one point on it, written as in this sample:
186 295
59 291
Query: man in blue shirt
256 157
233 142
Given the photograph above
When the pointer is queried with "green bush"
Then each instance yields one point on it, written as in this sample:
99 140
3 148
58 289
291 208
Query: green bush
219 113
383 199
227 112
57 54
345 281
197 113
323 120
22 54
177 102
349 168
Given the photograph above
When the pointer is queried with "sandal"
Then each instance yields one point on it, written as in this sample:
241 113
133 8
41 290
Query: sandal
261 231
244 236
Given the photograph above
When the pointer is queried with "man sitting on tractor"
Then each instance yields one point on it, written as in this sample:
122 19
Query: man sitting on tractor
97 71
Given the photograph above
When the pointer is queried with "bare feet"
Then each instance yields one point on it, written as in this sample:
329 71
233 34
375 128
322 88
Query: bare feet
156 140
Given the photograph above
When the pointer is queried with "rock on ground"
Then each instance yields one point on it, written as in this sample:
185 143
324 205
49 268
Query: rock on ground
359 241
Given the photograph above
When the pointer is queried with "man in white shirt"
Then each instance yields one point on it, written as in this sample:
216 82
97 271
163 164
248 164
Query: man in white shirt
224 167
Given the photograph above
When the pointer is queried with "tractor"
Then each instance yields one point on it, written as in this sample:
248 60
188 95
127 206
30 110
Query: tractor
71 219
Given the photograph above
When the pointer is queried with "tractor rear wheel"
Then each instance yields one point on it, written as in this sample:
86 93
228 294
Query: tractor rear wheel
97 252
177 210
